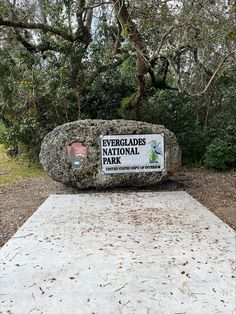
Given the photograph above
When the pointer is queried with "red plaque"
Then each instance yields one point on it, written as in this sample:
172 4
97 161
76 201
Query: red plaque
76 153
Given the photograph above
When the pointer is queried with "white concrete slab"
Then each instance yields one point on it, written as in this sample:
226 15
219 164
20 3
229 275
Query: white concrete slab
120 253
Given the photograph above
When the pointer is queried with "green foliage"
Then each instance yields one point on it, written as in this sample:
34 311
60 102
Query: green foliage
126 30
220 155
42 89
102 99
126 100
25 136
127 71
33 100
194 124
177 113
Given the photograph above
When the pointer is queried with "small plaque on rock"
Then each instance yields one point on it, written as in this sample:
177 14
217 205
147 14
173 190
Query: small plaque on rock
76 153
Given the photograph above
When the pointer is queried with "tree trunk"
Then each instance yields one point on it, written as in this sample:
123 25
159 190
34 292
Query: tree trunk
142 64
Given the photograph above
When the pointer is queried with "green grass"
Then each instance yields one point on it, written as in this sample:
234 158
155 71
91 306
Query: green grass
14 169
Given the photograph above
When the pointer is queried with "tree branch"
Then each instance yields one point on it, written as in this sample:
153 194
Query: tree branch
179 84
118 39
94 6
198 62
220 66
104 68
162 41
165 68
37 26
89 15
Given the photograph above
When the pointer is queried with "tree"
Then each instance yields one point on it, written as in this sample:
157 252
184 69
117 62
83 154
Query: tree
54 51
61 37
187 33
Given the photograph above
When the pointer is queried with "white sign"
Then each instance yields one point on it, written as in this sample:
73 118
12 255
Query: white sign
132 153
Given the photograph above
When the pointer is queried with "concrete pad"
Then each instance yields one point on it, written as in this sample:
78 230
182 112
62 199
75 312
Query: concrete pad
107 253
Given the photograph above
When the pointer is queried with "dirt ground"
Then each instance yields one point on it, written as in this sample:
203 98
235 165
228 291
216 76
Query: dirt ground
216 191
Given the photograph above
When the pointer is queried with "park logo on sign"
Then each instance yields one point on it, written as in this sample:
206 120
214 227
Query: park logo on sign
132 153
76 153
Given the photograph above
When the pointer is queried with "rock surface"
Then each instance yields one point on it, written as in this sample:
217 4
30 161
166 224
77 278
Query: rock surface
55 161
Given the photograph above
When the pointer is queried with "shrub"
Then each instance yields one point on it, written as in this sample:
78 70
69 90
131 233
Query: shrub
220 155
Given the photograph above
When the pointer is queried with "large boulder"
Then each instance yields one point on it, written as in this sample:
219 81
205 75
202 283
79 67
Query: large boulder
110 153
